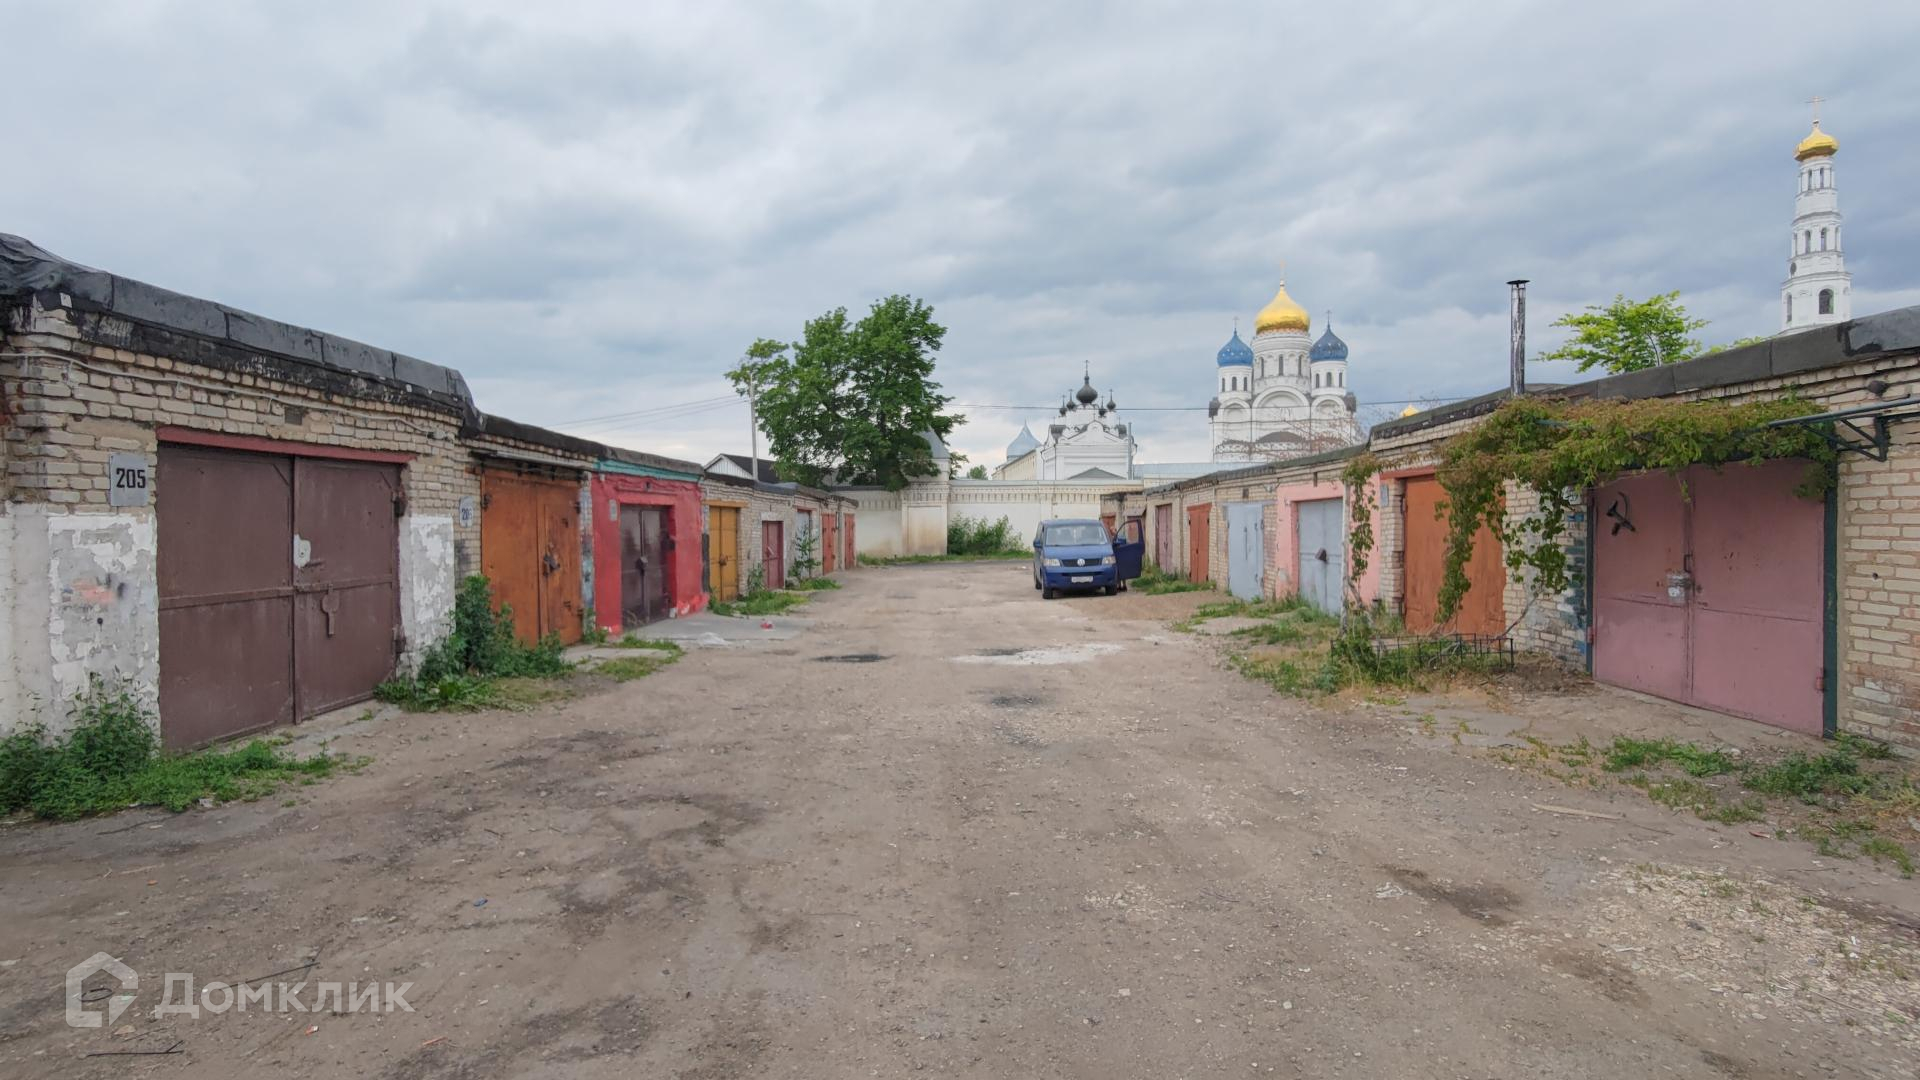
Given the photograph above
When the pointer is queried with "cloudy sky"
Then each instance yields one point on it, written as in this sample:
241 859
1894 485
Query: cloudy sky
590 209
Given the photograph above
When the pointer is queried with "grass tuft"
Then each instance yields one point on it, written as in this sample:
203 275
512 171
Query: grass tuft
1834 772
1628 753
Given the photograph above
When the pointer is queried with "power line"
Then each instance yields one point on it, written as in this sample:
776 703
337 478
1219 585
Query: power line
723 399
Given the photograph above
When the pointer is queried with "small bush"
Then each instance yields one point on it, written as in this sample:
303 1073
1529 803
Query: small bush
814 584
110 759
978 536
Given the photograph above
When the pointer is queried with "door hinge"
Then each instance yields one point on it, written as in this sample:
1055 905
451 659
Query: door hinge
399 641
399 504
1820 681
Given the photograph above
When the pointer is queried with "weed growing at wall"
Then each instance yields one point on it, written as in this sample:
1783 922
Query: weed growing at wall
763 602
110 759
1154 582
1561 450
806 553
458 674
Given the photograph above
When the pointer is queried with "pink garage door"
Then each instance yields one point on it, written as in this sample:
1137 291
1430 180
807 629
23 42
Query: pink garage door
1714 600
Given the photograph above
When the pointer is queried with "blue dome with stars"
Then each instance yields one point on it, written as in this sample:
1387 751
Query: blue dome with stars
1235 352
1328 347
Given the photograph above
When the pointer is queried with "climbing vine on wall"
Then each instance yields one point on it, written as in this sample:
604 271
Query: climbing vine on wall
1357 477
1562 449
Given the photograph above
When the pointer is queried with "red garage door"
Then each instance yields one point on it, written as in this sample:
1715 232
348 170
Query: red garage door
1713 596
279 588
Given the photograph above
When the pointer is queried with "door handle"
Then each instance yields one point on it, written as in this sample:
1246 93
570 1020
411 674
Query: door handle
549 564
1322 556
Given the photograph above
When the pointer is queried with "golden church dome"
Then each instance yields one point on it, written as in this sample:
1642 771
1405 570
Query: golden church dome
1281 313
1817 144
1411 410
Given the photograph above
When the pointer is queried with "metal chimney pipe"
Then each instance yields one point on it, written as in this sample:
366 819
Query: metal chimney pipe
1517 334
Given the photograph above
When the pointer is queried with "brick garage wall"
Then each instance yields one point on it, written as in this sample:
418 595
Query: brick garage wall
1877 543
1879 582
76 401
755 504
1877 546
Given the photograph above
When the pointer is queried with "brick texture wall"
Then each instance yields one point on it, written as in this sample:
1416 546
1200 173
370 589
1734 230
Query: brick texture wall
78 404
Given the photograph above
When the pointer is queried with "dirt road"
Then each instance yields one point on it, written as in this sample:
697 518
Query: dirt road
955 830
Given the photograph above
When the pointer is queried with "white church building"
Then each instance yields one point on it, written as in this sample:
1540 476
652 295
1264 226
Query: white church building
1087 441
1818 289
1281 397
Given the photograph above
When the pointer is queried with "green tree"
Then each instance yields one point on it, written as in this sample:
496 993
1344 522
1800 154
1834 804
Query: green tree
1628 335
1736 343
851 400
978 472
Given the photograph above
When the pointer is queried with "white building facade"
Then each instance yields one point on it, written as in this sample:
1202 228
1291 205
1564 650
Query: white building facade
1281 396
1818 290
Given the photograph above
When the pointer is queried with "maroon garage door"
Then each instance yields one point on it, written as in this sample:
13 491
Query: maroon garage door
279 588
1713 597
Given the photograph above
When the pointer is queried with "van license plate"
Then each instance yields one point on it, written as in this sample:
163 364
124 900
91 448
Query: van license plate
1083 579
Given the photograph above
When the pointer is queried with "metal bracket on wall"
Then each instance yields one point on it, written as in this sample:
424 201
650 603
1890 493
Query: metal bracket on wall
1843 429
1873 443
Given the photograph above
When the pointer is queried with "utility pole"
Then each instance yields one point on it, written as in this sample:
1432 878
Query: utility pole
753 413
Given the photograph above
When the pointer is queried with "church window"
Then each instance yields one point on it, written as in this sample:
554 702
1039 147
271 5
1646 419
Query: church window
1826 301
1789 301
1823 239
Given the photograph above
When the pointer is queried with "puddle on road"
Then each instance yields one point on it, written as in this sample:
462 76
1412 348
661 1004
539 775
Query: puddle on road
1047 657
1016 701
851 658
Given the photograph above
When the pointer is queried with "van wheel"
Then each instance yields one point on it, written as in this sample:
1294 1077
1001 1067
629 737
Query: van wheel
1047 593
1111 589
1036 583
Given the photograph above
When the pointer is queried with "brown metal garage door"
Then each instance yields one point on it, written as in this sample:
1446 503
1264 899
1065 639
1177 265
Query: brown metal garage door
530 550
279 588
1483 608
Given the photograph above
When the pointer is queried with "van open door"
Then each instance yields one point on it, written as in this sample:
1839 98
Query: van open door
1129 549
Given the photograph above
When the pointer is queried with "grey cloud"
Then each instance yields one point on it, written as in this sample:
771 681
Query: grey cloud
594 210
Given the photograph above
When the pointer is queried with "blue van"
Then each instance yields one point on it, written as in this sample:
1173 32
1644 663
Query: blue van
1077 553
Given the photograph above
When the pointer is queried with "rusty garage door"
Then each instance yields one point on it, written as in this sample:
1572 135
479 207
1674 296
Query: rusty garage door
1483 608
1199 542
279 588
530 549
1714 595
